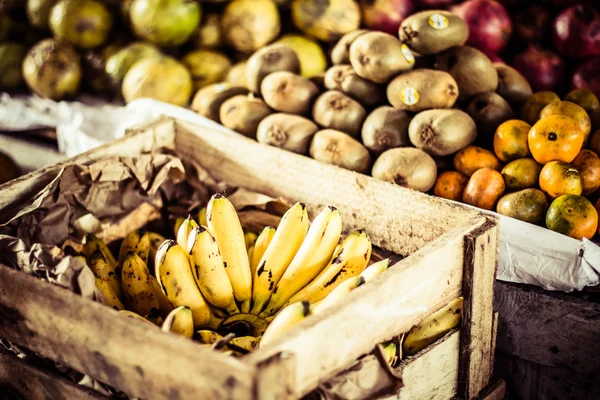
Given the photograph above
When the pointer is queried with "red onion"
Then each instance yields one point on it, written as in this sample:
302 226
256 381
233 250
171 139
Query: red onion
489 24
440 4
386 15
576 32
543 69
587 76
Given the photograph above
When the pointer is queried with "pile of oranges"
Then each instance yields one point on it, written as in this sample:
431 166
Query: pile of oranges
544 168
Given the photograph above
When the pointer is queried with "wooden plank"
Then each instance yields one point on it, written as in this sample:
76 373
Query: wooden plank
549 328
126 354
26 381
477 346
275 377
397 219
496 391
326 344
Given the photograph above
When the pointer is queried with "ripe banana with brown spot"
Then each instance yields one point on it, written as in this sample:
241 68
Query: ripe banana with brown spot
183 233
375 269
350 260
139 295
260 246
176 279
106 271
208 337
108 295
250 323
287 240
433 327
209 270
92 243
164 305
287 318
180 321
155 241
136 242
225 226
338 293
245 343
314 255
131 314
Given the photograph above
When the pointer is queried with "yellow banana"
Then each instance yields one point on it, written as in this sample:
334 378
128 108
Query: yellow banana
92 243
373 270
389 351
104 270
336 294
174 273
177 224
138 294
136 242
108 295
287 240
131 314
249 324
285 320
164 305
180 321
350 260
208 337
225 226
202 217
250 239
433 327
247 343
183 233
155 242
314 255
250 252
209 270
260 246
154 317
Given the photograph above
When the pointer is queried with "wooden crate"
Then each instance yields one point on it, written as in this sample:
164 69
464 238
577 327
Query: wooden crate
450 251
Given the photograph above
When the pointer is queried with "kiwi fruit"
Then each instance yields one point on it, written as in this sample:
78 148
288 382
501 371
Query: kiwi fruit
243 114
333 109
288 93
334 147
345 79
340 54
441 132
385 128
378 56
471 69
512 86
433 31
422 89
287 131
236 76
488 110
208 100
273 58
406 166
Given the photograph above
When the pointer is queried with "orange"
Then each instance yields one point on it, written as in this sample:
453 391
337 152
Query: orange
558 178
450 185
472 158
510 140
573 216
585 99
594 144
588 164
571 110
530 112
484 189
521 174
555 138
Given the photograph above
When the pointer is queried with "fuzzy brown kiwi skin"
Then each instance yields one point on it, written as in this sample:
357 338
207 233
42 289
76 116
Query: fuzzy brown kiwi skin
472 70
406 166
208 100
435 89
378 57
512 86
441 132
334 110
345 79
337 148
385 128
416 32
243 114
288 93
272 58
287 131
340 54
489 110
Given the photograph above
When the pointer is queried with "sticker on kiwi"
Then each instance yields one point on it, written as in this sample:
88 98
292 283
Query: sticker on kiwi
407 54
409 96
438 21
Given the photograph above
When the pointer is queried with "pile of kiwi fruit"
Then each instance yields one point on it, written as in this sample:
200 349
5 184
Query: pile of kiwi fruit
395 107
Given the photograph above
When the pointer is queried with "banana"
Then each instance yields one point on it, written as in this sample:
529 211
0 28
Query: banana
314 254
174 274
92 243
245 343
260 246
350 260
177 224
105 270
180 321
164 305
138 294
389 351
287 240
249 324
155 241
202 217
336 294
131 314
208 337
285 320
136 242
183 233
225 225
108 295
250 252
373 270
154 317
250 239
433 327
209 270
